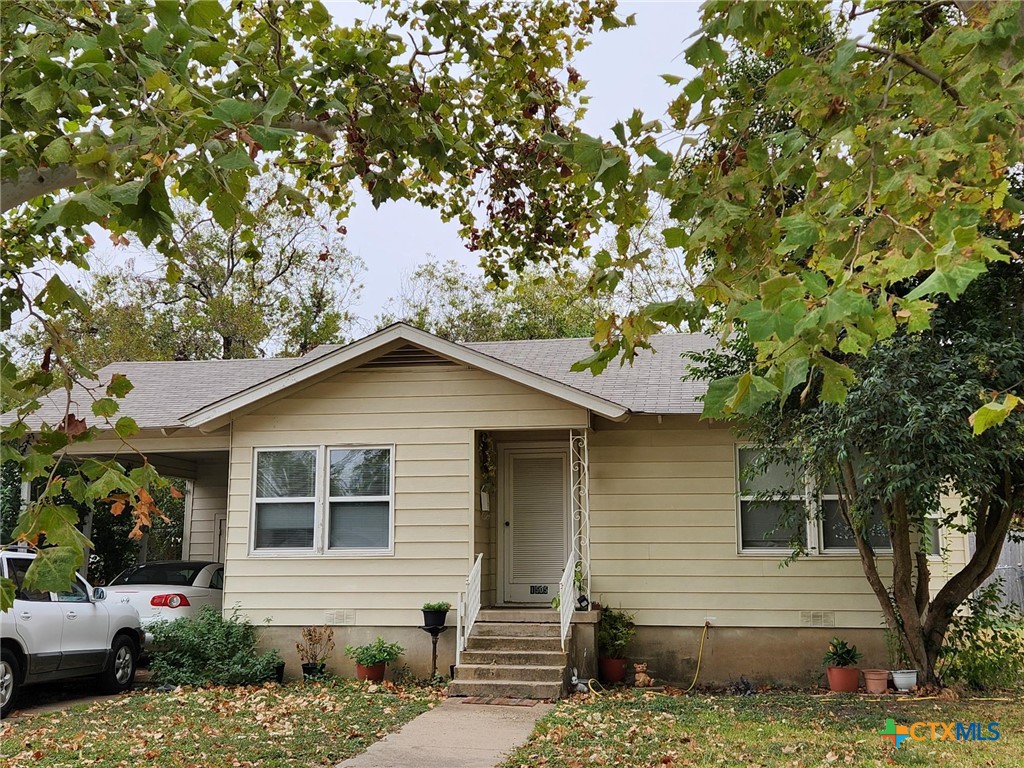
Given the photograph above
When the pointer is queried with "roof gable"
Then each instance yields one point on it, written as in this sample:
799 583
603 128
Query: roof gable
395 343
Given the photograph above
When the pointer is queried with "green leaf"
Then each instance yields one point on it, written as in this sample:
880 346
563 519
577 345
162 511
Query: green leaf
237 159
7 592
720 392
110 481
952 279
588 153
42 97
53 569
672 79
277 103
801 232
795 374
203 13
57 152
105 407
674 237
234 111
126 427
119 385
993 413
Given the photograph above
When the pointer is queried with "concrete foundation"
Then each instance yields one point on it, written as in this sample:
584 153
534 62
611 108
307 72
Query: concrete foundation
763 655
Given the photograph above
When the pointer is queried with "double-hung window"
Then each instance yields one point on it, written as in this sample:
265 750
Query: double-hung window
286 498
360 498
336 500
773 504
779 506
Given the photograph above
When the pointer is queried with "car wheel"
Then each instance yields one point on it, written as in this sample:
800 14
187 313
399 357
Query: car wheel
120 672
10 681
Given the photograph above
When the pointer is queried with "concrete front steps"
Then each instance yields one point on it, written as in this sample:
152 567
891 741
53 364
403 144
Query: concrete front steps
512 653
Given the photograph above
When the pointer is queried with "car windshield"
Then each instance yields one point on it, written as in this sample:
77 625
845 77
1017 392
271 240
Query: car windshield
174 574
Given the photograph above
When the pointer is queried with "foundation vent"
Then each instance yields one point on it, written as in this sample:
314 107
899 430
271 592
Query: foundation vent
817 618
343 617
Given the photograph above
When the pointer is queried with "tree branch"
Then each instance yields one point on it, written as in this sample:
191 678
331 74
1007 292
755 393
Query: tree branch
33 182
918 67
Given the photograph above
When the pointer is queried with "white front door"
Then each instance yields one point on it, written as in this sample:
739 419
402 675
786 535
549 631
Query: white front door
535 522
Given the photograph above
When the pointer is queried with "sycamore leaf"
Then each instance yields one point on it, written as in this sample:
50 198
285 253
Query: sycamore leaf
993 413
951 279
53 569
126 426
119 385
7 592
720 392
105 407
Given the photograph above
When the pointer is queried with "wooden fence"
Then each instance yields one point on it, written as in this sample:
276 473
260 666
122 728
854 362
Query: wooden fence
1011 571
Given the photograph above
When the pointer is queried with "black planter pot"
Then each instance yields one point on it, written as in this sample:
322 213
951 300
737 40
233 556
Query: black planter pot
279 673
434 618
313 671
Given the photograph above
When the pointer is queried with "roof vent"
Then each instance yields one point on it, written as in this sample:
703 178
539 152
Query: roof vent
408 356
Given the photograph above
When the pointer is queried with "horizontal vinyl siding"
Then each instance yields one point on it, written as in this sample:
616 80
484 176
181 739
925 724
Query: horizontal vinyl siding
209 496
664 539
430 415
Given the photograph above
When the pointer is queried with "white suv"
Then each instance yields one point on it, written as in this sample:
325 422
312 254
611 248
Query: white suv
54 636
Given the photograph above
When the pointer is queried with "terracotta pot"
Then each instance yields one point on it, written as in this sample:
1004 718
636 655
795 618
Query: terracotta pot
612 670
876 680
374 674
843 679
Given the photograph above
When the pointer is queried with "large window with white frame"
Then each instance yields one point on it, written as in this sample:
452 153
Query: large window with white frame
324 500
777 508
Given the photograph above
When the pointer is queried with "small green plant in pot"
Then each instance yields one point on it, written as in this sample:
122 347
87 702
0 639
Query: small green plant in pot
372 659
615 631
435 614
839 662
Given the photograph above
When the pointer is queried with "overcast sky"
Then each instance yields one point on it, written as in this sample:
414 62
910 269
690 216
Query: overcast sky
623 68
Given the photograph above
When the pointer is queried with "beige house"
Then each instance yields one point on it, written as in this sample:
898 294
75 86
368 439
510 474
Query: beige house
352 485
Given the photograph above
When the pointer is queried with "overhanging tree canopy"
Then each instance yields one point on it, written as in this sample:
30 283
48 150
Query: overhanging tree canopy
113 106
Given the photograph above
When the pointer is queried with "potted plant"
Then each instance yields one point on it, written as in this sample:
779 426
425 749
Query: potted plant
839 661
314 647
435 614
615 631
904 677
372 659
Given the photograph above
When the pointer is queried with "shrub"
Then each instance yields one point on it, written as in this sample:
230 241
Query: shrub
377 652
208 649
984 646
442 605
615 631
316 644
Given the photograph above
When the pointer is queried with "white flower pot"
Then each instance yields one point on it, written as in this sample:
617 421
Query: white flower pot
904 679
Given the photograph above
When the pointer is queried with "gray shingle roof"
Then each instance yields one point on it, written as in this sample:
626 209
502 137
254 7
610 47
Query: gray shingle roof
166 391
652 384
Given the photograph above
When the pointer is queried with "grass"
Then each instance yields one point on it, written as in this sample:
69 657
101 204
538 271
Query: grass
269 726
630 728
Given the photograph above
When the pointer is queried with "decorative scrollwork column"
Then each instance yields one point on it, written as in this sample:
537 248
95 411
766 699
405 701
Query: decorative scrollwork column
580 458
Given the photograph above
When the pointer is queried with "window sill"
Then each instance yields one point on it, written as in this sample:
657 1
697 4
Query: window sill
333 554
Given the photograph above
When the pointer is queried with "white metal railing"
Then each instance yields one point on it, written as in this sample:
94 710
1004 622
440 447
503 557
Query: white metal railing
567 595
469 607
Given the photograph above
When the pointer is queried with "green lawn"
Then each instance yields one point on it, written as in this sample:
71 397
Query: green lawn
268 726
630 729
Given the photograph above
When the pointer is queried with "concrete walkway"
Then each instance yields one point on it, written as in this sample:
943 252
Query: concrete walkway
453 735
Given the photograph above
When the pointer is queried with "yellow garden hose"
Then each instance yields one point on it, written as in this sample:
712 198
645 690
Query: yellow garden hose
700 654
